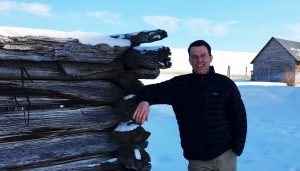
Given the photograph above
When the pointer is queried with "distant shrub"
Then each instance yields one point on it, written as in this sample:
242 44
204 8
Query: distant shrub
289 79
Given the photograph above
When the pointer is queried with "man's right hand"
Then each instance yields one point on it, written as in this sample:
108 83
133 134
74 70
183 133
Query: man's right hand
141 113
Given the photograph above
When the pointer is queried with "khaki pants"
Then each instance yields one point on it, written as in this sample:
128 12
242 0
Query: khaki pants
224 162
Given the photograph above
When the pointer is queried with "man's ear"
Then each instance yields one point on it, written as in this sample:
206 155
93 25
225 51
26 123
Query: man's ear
211 58
190 60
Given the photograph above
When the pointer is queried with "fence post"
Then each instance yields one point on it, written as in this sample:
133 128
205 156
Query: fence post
228 71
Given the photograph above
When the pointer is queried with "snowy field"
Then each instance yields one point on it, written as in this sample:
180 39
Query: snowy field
273 139
238 61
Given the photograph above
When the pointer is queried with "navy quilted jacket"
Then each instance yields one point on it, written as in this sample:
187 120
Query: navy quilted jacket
209 111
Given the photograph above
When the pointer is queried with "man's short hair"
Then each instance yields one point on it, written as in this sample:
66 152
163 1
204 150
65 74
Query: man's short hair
200 43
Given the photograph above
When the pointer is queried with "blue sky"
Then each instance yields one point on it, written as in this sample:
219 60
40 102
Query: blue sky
231 25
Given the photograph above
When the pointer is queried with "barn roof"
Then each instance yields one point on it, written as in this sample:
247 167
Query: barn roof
292 47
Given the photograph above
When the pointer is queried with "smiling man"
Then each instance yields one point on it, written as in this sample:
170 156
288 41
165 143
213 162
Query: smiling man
209 110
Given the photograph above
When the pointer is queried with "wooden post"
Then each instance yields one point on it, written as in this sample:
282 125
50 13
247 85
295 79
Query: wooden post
228 71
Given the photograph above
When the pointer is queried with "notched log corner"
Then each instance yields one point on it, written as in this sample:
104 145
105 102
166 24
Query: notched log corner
148 58
136 159
143 36
138 136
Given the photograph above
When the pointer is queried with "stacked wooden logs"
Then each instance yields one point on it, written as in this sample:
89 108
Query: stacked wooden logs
65 105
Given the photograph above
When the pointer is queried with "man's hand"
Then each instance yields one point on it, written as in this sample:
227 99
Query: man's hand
141 113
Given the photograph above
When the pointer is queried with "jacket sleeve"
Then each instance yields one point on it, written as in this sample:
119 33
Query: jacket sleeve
238 117
160 93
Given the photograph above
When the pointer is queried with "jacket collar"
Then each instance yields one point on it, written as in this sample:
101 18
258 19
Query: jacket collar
211 71
203 80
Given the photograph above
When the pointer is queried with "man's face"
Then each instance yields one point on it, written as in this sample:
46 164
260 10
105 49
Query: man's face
200 59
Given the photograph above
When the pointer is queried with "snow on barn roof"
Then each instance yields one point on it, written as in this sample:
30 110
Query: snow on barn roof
292 47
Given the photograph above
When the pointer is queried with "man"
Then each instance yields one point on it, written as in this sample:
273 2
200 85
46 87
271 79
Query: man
209 111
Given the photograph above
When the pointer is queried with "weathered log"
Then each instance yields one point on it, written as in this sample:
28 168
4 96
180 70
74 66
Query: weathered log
34 48
11 70
35 102
62 120
136 158
41 152
126 106
143 36
128 82
145 73
134 137
147 58
99 90
105 162
93 71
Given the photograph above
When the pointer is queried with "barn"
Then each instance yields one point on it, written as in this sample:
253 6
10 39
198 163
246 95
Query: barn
278 61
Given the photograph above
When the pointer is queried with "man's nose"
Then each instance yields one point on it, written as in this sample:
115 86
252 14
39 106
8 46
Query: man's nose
199 59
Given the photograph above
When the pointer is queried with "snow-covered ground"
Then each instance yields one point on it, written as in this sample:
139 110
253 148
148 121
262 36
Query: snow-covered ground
273 130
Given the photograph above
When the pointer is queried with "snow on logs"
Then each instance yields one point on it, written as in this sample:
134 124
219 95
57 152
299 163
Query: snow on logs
68 105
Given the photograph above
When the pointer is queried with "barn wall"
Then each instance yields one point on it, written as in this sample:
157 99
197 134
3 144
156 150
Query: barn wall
274 64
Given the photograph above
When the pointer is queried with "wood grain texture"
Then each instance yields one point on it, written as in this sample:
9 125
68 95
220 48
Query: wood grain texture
11 70
36 152
33 48
63 120
98 90
105 162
